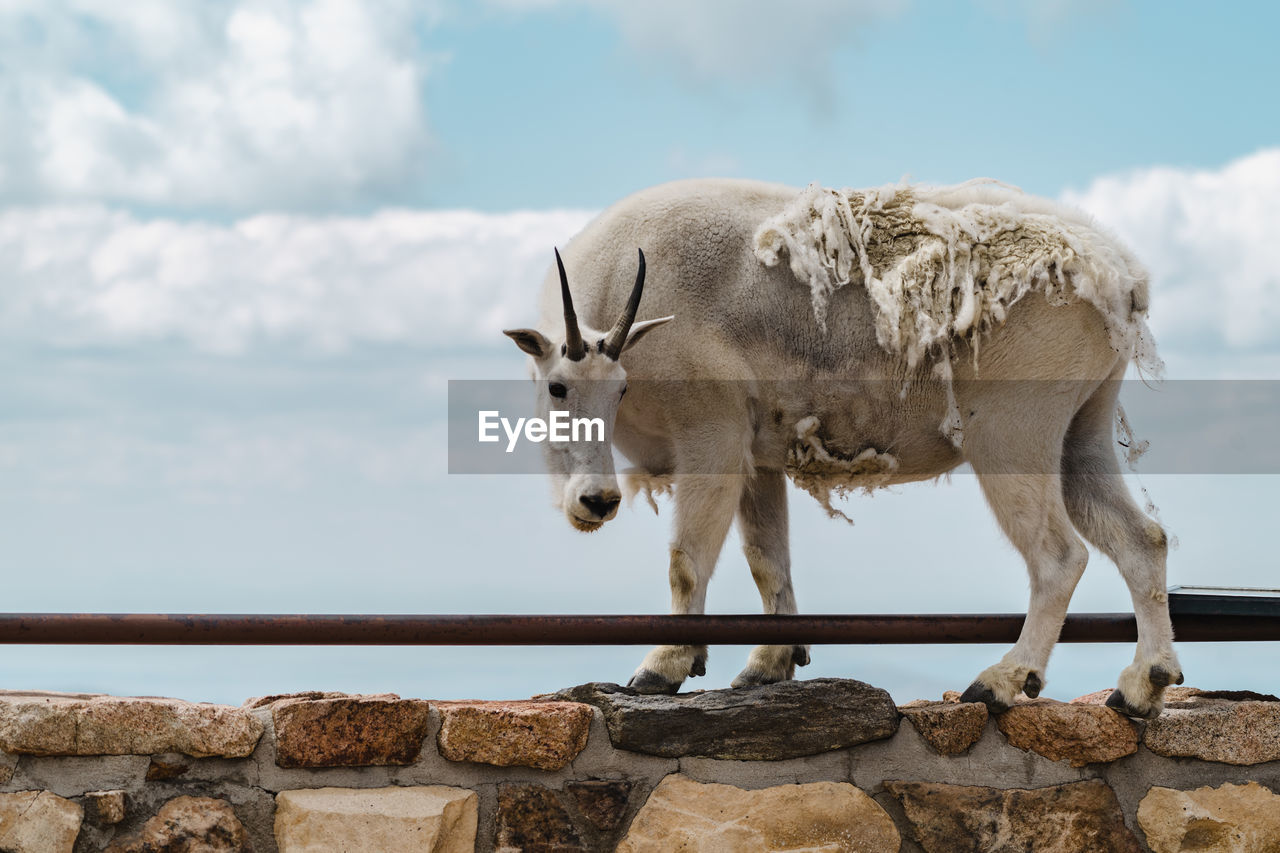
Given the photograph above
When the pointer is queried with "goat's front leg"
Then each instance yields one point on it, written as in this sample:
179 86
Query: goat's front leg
705 504
762 519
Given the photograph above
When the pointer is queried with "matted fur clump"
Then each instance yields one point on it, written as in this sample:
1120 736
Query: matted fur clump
945 263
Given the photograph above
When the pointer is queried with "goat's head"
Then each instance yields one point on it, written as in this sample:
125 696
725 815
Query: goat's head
581 376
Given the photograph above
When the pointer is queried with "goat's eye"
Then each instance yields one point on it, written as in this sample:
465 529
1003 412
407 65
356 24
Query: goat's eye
557 390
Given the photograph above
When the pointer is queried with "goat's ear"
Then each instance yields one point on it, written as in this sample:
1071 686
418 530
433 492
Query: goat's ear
530 340
639 330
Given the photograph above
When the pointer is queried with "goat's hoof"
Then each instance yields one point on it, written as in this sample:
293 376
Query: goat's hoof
800 655
979 692
651 683
755 678
699 666
1033 685
1161 677
1117 701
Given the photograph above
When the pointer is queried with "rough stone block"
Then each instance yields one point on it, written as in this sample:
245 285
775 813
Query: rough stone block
163 767
349 731
602 802
105 807
545 735
376 820
1080 817
745 723
84 724
1213 729
1228 819
1081 733
188 824
530 817
949 727
682 814
269 700
38 822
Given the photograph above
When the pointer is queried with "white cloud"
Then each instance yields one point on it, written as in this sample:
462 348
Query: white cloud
81 276
91 276
1209 240
238 105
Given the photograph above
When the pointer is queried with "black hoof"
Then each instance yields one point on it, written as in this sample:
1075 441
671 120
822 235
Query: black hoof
799 656
1161 677
699 666
649 682
1117 701
979 692
1033 685
755 678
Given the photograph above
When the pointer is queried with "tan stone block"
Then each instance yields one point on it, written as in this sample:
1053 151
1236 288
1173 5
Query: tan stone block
1080 733
189 824
1080 817
682 814
949 727
1171 694
105 807
1214 729
269 700
377 820
82 724
349 731
1228 819
545 735
38 822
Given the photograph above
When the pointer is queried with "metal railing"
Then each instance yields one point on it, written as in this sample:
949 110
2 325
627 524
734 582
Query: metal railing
493 630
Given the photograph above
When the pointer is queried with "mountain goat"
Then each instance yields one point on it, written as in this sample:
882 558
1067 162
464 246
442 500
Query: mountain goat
910 330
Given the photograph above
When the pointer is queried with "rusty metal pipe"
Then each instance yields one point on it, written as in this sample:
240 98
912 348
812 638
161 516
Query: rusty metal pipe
498 630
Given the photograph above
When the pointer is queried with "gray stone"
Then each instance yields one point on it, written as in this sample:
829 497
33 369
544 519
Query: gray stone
789 719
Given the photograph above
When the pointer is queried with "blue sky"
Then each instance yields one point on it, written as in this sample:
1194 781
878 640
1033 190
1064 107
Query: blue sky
244 245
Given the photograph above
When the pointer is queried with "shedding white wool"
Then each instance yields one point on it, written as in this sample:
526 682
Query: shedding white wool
637 481
1134 448
813 468
946 263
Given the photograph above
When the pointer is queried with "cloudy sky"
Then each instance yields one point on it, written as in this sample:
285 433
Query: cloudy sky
244 245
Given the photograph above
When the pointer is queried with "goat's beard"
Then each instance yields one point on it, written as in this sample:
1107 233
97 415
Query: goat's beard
584 526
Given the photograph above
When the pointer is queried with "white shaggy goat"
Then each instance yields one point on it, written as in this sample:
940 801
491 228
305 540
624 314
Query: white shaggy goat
915 329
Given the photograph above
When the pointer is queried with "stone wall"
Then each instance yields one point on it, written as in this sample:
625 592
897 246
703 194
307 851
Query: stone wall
826 764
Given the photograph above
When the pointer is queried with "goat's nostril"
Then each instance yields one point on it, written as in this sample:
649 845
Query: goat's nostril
599 504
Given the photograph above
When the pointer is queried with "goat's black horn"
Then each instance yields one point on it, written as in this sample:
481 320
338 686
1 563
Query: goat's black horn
617 337
574 349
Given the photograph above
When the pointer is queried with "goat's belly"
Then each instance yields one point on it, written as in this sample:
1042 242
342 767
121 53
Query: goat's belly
865 460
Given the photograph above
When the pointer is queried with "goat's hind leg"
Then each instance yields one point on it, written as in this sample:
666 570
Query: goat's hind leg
1104 512
1019 474
762 519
